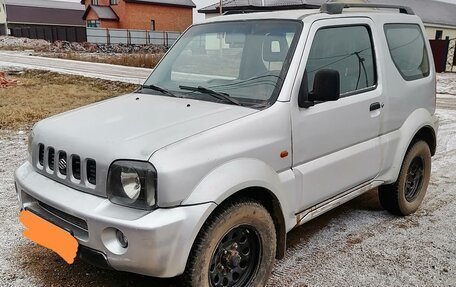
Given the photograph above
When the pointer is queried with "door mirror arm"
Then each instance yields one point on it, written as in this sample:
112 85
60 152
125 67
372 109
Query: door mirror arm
305 97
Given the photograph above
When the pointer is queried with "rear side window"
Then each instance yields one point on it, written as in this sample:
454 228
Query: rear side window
408 50
348 50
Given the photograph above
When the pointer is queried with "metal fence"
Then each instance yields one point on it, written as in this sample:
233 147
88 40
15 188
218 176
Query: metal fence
124 36
444 54
451 62
50 33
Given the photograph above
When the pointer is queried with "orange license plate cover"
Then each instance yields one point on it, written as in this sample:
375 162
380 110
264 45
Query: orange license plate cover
48 235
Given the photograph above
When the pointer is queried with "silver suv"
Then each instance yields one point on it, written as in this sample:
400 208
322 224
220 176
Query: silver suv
252 124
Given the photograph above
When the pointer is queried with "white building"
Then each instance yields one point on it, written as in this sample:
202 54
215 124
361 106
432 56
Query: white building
3 27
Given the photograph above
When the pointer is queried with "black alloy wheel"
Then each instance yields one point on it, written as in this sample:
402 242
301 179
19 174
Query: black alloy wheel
414 179
235 261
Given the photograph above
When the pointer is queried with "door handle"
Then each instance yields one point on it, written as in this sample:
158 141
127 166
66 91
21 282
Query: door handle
375 106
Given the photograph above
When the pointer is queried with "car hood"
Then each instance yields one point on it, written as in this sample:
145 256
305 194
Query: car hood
133 126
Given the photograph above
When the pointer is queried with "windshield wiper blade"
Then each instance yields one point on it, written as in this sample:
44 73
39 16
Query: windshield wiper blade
215 94
160 89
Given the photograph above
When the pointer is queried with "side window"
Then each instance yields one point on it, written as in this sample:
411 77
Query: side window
347 49
408 50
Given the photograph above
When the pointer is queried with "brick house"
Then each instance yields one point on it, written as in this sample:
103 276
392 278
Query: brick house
160 15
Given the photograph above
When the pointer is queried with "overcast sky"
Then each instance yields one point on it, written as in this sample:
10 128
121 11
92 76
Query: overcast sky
203 3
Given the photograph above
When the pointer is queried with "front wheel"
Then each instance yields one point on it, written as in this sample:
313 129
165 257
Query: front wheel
235 248
405 195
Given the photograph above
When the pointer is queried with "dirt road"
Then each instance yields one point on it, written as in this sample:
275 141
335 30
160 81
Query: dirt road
94 70
357 244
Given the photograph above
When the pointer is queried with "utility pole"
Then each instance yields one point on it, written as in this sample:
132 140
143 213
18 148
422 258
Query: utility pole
221 7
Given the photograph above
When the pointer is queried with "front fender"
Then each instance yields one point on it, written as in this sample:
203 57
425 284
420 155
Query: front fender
236 175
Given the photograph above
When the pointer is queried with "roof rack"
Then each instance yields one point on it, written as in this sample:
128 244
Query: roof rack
337 8
255 8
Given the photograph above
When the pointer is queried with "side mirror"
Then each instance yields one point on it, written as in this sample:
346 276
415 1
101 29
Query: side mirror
326 87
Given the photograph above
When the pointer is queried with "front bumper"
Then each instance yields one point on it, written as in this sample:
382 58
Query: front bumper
159 242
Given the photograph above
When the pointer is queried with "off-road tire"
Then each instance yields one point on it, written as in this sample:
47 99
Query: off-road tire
235 215
395 197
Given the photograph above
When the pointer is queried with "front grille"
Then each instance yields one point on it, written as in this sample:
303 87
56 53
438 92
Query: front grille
63 163
75 225
41 154
67 166
76 165
51 158
65 216
91 171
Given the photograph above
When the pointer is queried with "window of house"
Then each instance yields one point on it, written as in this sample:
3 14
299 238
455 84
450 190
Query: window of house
408 50
93 23
348 50
114 2
438 34
152 25
94 2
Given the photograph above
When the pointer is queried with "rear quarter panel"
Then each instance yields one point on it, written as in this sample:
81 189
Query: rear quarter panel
409 105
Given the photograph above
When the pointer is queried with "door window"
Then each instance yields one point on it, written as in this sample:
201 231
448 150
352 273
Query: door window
348 50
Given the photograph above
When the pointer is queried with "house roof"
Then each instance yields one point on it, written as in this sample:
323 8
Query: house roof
181 3
103 13
430 11
47 4
44 15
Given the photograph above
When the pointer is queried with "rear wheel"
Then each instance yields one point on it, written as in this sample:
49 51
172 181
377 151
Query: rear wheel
405 195
235 248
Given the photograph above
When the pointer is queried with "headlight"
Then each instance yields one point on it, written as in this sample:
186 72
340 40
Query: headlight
133 184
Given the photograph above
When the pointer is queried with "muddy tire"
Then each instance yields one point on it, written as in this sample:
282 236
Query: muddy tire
236 247
404 197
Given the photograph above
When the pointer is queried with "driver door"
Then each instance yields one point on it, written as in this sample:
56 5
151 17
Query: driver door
335 144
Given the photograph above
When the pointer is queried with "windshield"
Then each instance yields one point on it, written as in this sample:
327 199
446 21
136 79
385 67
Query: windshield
245 61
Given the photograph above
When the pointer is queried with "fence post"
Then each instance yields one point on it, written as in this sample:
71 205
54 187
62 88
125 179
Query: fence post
454 55
147 37
108 37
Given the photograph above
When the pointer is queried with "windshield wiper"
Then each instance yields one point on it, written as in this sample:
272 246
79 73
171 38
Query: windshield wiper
160 89
215 94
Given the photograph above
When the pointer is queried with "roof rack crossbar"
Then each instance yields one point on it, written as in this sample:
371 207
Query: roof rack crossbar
337 8
255 8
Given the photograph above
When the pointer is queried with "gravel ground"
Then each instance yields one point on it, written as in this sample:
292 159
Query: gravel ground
357 244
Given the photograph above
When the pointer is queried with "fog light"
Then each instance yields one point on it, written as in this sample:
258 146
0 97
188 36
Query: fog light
122 239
